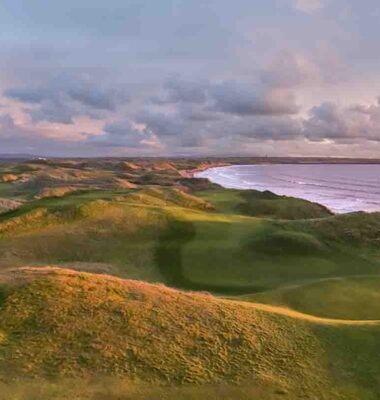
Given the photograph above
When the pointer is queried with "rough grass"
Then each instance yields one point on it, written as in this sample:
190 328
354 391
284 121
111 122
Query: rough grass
9 204
9 178
58 323
103 388
122 229
288 243
114 233
264 204
155 196
5 189
343 298
164 234
359 228
271 205
55 192
237 253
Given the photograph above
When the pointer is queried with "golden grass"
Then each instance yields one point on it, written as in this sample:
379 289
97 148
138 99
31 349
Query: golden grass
67 323
9 204
62 323
9 178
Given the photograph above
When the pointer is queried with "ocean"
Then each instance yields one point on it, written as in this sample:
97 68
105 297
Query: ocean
342 188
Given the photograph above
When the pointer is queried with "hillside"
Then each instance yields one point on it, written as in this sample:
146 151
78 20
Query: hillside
345 298
60 323
297 288
188 239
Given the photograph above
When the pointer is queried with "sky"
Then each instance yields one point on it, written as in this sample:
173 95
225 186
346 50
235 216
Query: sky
190 77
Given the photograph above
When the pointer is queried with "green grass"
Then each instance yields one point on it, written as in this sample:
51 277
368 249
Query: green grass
224 201
265 251
124 237
263 204
343 298
6 190
122 229
236 253
165 235
59 324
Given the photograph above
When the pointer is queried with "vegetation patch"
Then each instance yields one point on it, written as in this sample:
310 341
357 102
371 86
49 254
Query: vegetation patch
356 228
343 298
55 192
60 324
270 205
9 204
288 243
302 321
9 178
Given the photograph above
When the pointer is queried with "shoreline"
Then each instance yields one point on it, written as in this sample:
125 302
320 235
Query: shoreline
206 164
203 168
338 201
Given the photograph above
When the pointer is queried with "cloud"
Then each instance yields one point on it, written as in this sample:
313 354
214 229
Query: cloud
6 124
202 125
17 138
308 6
197 113
244 99
161 124
238 72
357 122
290 69
177 91
180 129
269 94
269 128
11 132
123 133
62 99
201 113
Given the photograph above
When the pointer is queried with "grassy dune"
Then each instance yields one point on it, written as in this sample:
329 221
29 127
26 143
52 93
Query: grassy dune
343 298
5 189
102 388
263 204
230 252
59 324
298 288
99 231
168 235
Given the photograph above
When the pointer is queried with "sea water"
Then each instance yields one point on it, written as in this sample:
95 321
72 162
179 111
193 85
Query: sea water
340 187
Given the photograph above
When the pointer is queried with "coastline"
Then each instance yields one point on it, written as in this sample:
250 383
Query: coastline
203 168
339 198
216 162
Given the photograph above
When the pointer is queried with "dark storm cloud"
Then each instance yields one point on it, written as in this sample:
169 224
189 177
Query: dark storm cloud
66 97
